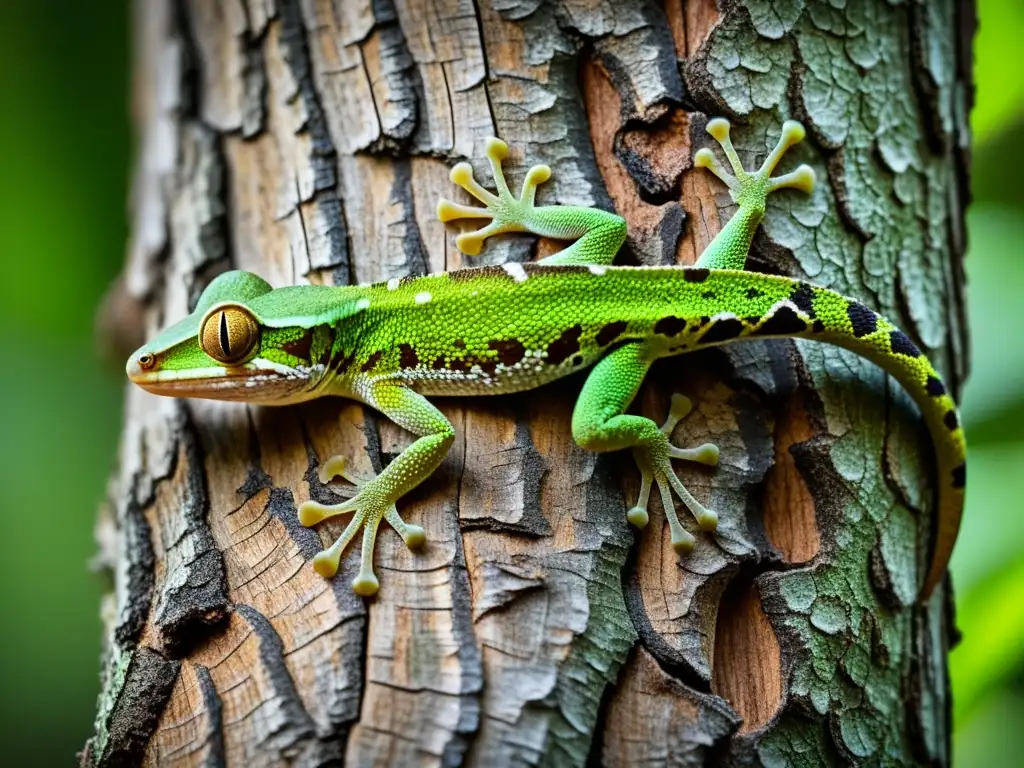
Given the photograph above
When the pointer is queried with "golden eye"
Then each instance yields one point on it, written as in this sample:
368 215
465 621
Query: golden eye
229 334
147 361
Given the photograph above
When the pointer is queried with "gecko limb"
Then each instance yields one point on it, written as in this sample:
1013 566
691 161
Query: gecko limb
597 234
375 497
749 190
599 424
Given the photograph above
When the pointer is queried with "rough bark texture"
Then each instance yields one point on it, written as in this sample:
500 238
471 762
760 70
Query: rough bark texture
308 140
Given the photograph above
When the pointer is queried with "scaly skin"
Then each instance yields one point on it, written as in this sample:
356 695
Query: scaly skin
518 326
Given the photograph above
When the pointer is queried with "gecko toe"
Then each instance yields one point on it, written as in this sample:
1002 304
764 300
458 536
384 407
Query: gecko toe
326 563
683 541
365 584
638 516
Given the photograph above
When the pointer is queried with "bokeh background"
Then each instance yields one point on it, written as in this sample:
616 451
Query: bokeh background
65 151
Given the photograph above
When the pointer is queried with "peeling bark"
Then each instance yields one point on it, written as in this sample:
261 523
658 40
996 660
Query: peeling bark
308 141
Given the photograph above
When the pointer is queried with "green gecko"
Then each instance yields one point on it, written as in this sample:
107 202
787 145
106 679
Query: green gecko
514 327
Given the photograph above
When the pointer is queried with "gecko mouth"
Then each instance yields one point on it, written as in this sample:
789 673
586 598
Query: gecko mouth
251 382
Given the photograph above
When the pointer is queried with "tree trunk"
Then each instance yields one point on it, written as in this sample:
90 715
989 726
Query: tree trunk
309 140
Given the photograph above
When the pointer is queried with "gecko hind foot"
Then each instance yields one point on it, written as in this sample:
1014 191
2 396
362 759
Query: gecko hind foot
369 507
753 187
507 214
655 463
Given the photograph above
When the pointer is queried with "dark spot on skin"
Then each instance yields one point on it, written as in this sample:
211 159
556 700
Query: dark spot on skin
566 345
499 272
510 351
438 363
901 345
708 295
785 322
460 366
753 293
578 360
461 275
299 347
752 319
863 320
722 330
950 420
533 268
407 357
341 363
371 361
610 332
696 274
818 326
488 366
960 476
669 326
325 357
803 299
460 344
704 320
935 387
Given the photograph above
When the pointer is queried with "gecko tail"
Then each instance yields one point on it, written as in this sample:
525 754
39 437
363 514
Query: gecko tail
820 314
877 339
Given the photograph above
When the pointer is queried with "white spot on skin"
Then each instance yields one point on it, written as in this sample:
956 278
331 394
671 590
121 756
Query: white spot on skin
393 284
515 271
363 303
597 269
423 297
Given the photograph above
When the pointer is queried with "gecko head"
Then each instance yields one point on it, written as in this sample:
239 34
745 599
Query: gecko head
226 349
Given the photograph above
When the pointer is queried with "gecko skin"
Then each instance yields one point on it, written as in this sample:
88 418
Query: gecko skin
495 330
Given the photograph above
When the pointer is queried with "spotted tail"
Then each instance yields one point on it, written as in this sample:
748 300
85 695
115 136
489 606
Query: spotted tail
812 312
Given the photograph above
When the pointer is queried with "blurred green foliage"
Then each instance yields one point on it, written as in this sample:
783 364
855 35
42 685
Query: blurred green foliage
64 141
66 152
987 668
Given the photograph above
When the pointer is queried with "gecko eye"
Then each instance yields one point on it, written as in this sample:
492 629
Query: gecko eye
229 334
146 361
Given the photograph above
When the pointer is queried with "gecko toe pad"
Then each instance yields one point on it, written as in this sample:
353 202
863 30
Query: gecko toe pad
368 507
753 187
496 149
655 463
719 128
638 516
507 213
461 174
365 585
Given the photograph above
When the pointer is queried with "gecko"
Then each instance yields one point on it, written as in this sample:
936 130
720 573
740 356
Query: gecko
501 329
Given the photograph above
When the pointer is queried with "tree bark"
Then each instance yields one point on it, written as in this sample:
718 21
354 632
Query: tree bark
308 140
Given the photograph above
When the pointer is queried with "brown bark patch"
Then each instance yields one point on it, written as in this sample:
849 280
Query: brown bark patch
700 189
664 148
789 517
748 661
691 23
603 104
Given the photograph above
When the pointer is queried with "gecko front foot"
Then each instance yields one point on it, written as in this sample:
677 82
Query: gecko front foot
655 463
751 189
369 505
507 214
